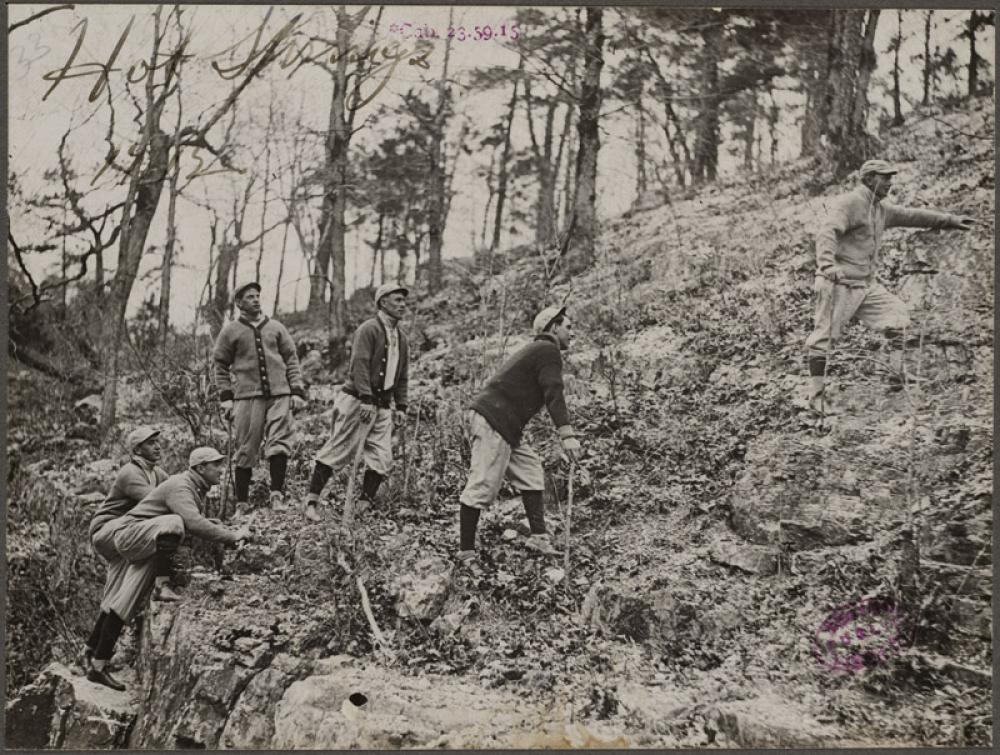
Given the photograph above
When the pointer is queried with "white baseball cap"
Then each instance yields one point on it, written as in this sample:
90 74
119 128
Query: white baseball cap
202 455
544 318
389 288
243 287
139 436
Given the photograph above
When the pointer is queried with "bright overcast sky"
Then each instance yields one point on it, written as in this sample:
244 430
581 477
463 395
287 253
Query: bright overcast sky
36 126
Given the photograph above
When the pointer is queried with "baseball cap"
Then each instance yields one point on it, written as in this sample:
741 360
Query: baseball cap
243 287
139 436
877 166
388 288
544 318
202 455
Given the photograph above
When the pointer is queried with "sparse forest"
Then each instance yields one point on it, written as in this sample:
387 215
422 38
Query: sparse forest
661 172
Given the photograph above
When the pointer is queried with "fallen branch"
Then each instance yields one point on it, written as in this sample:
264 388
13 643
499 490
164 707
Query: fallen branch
367 607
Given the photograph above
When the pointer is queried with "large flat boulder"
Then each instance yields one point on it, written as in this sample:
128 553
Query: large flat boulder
63 711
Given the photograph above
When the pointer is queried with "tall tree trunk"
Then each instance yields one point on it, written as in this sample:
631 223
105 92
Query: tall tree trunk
641 181
842 109
569 172
928 59
973 55
437 212
749 136
281 268
772 129
267 183
329 263
559 201
545 211
137 216
897 110
491 193
166 271
584 219
505 156
707 141
377 248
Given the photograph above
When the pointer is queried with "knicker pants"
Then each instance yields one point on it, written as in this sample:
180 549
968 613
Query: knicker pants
872 304
262 420
492 458
345 434
135 544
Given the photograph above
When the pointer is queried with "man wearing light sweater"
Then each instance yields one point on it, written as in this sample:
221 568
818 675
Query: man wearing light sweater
378 377
260 384
529 379
132 483
847 257
153 527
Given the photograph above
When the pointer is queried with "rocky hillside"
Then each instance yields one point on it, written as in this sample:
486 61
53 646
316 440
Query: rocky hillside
739 573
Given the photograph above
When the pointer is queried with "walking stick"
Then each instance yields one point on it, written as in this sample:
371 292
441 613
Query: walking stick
829 348
406 466
347 521
230 483
569 519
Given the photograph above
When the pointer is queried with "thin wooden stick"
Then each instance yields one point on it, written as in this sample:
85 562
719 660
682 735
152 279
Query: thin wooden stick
367 608
569 518
348 518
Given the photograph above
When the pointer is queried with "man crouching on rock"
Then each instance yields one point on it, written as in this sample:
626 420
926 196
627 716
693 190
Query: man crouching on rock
497 416
157 525
132 483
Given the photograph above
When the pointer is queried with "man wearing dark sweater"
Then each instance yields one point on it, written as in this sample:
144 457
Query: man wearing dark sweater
377 377
260 384
532 377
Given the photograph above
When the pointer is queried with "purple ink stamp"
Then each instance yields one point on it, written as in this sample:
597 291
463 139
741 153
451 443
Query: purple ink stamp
857 636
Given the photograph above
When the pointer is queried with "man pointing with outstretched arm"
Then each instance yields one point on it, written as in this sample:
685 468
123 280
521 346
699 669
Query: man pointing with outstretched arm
848 247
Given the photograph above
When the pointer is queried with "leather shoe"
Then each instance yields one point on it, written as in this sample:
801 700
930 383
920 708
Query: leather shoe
102 676
311 513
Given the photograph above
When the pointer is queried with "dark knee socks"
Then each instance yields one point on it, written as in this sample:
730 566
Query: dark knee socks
243 476
166 547
320 476
110 632
278 465
370 485
95 636
468 521
817 366
535 509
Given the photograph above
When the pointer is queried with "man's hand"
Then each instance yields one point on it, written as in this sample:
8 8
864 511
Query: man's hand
571 447
963 222
227 409
399 416
833 273
367 413
242 534
298 402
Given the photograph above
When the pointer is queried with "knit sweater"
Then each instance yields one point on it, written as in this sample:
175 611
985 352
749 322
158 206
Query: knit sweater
256 361
182 494
131 485
851 233
369 357
528 379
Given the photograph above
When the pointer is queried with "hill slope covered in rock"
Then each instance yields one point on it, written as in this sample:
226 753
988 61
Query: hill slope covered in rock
724 543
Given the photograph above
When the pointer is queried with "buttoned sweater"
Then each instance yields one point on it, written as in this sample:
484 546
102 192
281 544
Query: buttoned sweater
256 361
369 357
850 236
